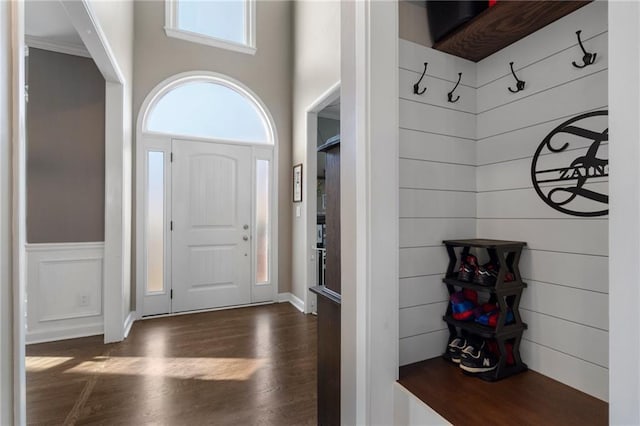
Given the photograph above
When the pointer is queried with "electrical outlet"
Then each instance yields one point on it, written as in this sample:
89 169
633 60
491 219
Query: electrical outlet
83 300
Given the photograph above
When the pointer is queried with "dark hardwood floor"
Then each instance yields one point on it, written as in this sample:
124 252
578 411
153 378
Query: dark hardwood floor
249 366
528 398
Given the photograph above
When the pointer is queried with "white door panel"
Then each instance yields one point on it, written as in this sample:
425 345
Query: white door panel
211 205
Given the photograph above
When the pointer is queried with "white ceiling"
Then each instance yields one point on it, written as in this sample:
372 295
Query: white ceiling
49 21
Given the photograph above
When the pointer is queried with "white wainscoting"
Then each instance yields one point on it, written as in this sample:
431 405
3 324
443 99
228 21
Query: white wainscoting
64 290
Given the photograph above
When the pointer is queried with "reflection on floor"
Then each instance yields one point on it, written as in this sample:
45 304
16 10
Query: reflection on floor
239 367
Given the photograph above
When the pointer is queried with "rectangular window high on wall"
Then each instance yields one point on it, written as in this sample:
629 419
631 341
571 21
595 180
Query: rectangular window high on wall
262 221
227 24
155 241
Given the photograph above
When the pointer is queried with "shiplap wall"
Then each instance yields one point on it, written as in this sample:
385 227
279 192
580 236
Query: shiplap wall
437 190
457 182
565 263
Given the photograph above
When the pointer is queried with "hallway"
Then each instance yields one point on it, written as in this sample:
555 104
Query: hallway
244 366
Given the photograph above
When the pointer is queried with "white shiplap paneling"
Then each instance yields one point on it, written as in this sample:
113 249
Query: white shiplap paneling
569 269
436 203
433 175
446 149
423 346
422 290
565 262
431 232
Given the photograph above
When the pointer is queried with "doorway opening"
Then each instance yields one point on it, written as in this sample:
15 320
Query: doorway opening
206 209
323 124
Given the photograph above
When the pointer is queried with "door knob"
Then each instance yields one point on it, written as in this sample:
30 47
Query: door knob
245 227
245 238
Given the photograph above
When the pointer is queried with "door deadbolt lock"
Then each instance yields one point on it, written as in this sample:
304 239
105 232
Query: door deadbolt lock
245 238
245 227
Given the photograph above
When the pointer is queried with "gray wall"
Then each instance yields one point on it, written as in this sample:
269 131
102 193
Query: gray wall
316 69
65 149
268 73
412 22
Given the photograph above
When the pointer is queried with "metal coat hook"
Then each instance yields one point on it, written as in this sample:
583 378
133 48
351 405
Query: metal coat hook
519 83
416 87
588 58
450 94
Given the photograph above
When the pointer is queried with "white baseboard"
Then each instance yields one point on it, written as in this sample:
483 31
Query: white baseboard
293 299
64 333
131 318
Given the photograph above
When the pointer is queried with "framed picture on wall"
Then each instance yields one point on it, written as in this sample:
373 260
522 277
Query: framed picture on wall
297 183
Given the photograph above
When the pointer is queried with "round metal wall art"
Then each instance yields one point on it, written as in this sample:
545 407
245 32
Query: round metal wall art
570 168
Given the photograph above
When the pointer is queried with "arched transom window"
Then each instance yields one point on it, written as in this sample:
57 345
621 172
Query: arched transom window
209 108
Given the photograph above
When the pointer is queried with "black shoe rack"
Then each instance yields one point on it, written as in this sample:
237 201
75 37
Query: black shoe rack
505 294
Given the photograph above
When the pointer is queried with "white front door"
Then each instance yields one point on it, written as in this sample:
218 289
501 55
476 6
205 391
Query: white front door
211 214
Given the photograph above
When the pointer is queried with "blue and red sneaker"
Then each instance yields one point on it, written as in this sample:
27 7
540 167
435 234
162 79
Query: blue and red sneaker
491 319
461 308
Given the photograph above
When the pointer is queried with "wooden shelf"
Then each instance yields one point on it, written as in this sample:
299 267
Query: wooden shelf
503 24
528 398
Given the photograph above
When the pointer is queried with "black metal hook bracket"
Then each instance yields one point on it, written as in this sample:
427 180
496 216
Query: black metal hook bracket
450 94
588 58
416 87
519 83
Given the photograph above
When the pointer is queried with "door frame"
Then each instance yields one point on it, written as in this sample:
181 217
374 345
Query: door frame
117 190
327 98
146 140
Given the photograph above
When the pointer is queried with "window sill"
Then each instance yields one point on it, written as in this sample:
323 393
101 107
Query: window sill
209 41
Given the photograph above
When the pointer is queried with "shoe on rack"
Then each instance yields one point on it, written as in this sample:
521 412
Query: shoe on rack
486 274
483 309
461 308
468 268
491 318
455 348
478 360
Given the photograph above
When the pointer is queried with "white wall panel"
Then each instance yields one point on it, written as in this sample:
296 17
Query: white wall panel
422 319
525 203
586 93
432 175
582 375
587 343
426 146
431 232
64 290
435 203
586 236
423 261
581 306
570 269
433 119
422 290
423 346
